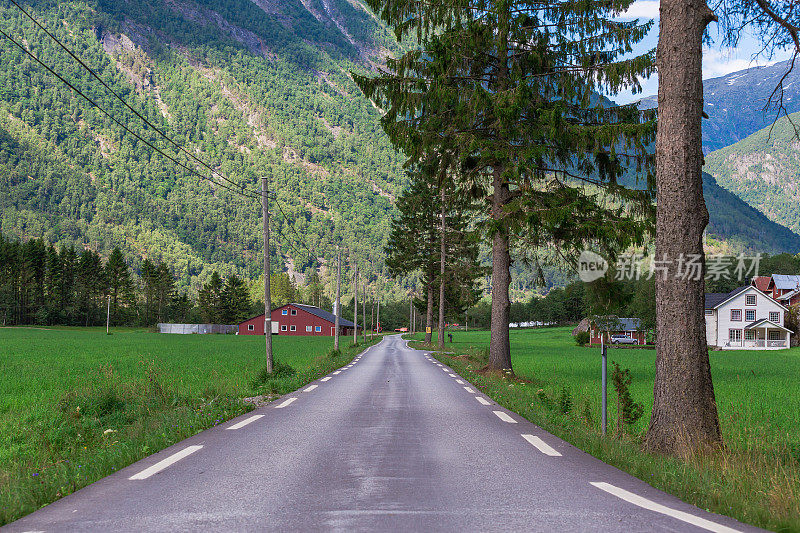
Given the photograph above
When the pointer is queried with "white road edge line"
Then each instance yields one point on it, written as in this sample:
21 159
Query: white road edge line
459 382
309 389
451 375
483 400
244 422
285 403
504 417
337 372
326 378
164 463
469 390
541 445
662 509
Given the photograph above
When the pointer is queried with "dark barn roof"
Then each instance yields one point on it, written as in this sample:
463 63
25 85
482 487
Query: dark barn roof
324 315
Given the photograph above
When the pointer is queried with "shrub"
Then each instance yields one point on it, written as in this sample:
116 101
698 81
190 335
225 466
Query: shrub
628 411
582 338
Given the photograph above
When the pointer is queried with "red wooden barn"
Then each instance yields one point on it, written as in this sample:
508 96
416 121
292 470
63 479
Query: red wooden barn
298 319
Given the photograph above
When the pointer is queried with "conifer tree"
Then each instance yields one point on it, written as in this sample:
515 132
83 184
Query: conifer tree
120 285
235 301
503 94
209 299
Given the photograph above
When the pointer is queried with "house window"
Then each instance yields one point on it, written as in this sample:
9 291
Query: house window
294 312
283 327
749 335
308 328
318 329
736 315
750 299
735 335
709 311
251 327
775 335
774 316
749 314
292 328
285 312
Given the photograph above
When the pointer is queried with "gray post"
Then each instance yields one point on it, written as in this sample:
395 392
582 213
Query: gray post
108 314
267 295
338 298
604 379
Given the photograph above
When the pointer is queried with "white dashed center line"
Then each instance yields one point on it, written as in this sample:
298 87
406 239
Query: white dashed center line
326 378
541 445
469 390
285 403
244 422
161 465
483 400
662 509
504 417
309 389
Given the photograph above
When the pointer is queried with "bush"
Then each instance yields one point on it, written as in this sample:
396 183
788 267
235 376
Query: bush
582 338
628 411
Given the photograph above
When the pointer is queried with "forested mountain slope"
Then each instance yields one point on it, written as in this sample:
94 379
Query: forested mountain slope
764 170
257 88
735 103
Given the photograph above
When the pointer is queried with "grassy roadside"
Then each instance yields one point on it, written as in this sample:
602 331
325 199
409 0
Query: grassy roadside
755 480
77 405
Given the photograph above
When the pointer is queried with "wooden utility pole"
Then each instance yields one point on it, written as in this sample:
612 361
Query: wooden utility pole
355 304
267 296
108 314
364 311
338 304
441 273
378 316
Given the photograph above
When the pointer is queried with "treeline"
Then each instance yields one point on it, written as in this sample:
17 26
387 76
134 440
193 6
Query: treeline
44 285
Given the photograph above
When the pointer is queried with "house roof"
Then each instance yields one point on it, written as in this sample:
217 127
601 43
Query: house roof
316 311
715 299
324 315
786 281
622 324
763 322
761 282
789 295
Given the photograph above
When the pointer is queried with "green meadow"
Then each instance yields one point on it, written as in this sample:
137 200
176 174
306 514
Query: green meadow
77 404
756 478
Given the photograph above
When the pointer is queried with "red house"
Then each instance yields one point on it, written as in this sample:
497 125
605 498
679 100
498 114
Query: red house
784 288
298 319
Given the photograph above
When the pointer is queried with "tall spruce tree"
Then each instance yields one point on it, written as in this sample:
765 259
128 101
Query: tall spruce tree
415 246
504 94
209 299
120 285
235 301
684 417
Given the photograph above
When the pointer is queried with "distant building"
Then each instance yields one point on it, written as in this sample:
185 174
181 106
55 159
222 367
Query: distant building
199 329
783 288
745 319
629 327
298 319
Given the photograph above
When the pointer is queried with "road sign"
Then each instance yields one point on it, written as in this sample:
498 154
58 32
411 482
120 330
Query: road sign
428 329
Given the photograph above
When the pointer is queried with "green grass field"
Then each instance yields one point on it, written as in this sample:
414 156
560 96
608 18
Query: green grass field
76 404
756 479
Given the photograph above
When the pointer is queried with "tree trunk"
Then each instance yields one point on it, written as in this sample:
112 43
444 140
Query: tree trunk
441 271
429 312
684 408
499 343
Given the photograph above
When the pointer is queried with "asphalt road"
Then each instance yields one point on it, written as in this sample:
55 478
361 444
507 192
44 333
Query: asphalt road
393 442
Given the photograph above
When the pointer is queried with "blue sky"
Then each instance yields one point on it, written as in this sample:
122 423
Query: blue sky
717 60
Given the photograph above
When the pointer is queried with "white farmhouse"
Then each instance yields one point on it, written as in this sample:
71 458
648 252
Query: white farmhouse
745 319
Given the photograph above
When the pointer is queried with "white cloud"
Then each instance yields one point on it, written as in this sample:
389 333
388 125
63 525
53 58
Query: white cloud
642 9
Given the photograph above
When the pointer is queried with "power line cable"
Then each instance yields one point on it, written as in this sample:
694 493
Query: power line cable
240 190
121 99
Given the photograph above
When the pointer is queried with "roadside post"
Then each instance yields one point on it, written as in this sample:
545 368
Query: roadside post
108 315
603 379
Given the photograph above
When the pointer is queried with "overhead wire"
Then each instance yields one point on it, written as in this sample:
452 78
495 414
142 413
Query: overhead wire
121 99
121 124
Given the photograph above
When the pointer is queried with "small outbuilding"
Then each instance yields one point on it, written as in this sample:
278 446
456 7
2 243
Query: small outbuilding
629 327
298 319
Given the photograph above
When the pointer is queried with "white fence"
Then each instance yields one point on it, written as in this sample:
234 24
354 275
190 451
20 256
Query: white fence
200 329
